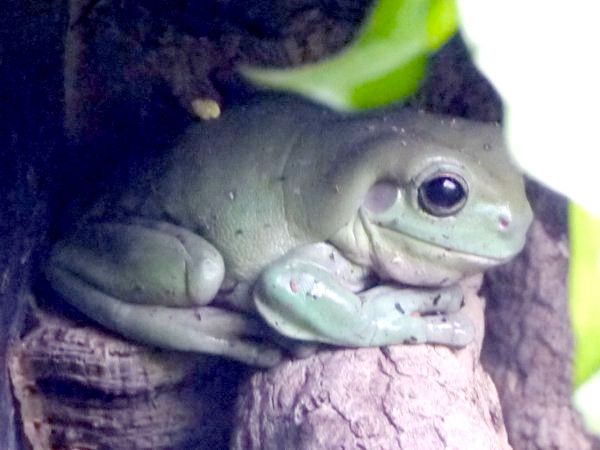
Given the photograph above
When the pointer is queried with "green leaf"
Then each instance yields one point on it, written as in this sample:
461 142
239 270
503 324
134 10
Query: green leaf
386 62
584 286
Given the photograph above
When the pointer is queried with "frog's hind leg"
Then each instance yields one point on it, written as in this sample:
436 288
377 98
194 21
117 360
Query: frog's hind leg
142 262
151 281
202 329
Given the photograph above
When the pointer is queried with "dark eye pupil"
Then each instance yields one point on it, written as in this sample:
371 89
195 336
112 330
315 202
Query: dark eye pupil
444 192
442 195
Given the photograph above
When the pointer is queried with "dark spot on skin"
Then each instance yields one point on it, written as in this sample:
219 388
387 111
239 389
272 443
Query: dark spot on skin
445 236
436 299
281 178
410 340
238 232
399 308
462 302
444 319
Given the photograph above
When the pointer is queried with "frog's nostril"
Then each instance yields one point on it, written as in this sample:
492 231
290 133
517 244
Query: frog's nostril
504 222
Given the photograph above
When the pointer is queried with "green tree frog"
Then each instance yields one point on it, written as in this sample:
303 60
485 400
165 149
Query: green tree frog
350 230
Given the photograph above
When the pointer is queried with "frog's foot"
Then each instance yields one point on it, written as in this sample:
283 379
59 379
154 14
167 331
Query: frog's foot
303 301
296 348
455 330
433 315
417 300
202 329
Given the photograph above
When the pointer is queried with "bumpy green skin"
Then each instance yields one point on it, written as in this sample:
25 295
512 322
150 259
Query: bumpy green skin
262 216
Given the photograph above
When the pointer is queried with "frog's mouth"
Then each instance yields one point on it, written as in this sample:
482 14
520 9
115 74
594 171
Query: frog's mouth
408 259
406 241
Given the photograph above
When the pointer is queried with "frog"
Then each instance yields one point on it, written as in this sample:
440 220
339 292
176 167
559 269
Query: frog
284 225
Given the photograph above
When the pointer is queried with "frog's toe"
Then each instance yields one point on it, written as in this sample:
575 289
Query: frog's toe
446 300
301 350
259 355
455 330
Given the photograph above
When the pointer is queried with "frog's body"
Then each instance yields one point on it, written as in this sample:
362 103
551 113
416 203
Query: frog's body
292 211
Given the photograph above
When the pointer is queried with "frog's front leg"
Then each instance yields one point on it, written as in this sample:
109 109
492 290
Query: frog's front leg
152 281
306 296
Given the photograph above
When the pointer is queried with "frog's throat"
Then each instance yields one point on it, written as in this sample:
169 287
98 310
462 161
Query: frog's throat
405 242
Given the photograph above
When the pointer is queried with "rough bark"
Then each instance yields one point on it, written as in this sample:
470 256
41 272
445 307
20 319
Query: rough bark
418 398
130 89
80 387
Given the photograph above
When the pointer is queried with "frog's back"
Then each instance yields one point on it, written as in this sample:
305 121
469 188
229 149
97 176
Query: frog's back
225 181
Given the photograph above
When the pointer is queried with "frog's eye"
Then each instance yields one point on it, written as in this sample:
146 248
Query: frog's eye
443 194
381 197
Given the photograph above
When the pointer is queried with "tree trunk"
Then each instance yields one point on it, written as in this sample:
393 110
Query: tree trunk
31 112
529 345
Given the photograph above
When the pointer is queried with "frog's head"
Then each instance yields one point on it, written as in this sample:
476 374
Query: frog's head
429 199
446 213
